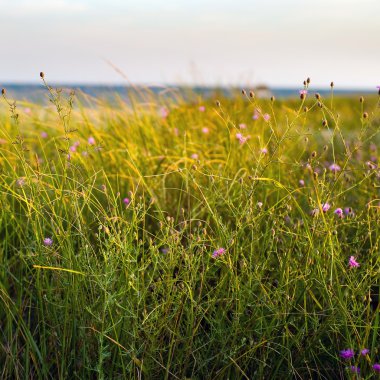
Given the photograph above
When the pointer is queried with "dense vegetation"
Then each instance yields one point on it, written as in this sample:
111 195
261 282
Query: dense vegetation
172 239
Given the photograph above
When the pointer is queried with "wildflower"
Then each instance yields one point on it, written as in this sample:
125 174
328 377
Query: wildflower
48 241
44 135
242 126
2 141
85 153
314 212
91 140
164 112
264 151
241 138
195 156
27 110
266 117
355 369
202 108
364 351
73 148
339 212
126 201
255 116
259 204
301 182
325 207
376 367
218 252
348 210
347 354
176 131
20 181
205 130
334 167
303 92
353 263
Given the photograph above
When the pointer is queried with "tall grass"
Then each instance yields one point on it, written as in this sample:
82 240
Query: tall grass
137 198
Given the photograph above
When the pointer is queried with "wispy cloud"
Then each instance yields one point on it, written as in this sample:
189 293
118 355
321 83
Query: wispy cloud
31 8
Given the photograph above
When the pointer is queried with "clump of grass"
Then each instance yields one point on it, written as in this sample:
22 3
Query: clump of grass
178 239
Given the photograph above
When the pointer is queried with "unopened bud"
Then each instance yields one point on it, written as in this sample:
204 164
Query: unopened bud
332 84
3 91
272 98
251 94
365 115
361 99
217 103
324 123
42 75
243 92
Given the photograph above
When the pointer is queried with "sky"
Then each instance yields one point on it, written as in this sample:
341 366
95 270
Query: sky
203 42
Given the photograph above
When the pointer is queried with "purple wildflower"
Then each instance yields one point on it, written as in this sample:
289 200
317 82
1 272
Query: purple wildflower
242 139
264 151
301 182
353 263
91 140
195 156
325 207
347 354
44 135
218 252
355 369
339 212
266 116
126 201
48 241
303 92
376 367
364 351
202 108
334 167
164 112
205 130
242 126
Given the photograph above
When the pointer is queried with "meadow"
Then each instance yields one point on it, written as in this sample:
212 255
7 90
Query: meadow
223 238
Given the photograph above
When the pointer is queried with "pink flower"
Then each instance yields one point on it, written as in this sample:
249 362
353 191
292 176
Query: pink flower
164 112
255 116
194 156
364 351
73 148
218 252
264 150
376 367
241 138
266 117
205 130
325 207
334 167
303 92
126 201
242 126
48 242
44 135
339 212
301 182
353 263
91 140
202 108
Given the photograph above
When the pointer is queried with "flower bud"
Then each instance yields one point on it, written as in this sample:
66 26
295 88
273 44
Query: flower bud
42 75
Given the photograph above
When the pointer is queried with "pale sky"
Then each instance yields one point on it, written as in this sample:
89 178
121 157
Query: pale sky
205 42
